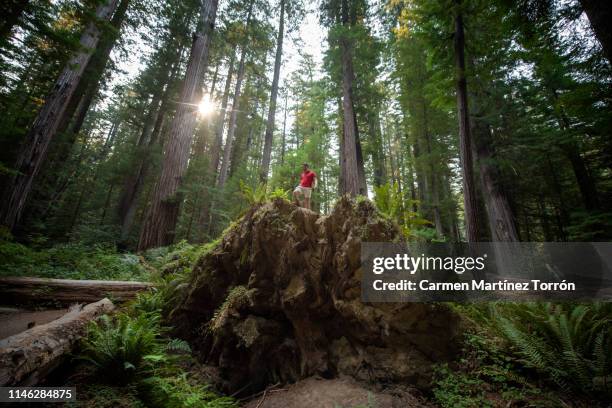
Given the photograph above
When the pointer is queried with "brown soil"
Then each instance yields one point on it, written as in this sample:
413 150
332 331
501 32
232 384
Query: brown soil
336 393
13 321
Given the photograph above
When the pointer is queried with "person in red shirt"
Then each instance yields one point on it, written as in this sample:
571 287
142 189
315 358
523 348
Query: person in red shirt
308 180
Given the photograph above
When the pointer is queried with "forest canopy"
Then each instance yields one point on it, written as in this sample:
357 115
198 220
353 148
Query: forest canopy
140 123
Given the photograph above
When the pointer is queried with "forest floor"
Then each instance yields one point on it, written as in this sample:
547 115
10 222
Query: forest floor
13 321
336 392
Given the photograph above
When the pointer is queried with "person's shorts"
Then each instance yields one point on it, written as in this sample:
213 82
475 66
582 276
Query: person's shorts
305 191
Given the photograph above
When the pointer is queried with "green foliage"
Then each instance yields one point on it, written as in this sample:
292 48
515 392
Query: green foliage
179 392
486 375
122 348
131 351
235 298
461 390
570 343
252 195
178 346
152 301
161 257
174 264
107 396
392 204
70 261
261 194
278 192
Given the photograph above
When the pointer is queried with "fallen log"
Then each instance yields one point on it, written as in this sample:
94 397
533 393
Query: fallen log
27 357
18 290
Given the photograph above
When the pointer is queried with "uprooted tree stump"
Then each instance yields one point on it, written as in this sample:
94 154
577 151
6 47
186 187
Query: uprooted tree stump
279 299
29 356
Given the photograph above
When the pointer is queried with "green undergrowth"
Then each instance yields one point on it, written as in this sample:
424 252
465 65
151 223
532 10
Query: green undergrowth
530 354
133 362
76 260
70 261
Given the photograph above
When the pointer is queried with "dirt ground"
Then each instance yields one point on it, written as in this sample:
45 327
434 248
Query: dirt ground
334 393
13 321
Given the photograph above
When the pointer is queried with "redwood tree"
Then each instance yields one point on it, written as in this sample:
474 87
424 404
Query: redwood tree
160 221
267 151
353 179
44 127
465 138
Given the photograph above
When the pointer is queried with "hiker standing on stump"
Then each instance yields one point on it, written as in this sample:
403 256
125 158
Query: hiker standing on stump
308 181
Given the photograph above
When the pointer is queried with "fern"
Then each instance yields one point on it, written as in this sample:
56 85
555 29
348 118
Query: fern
121 347
570 343
179 392
252 195
391 203
178 346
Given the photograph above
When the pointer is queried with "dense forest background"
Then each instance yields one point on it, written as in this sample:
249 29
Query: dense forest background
136 133
462 119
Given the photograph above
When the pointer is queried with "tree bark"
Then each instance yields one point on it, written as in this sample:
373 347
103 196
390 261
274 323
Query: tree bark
149 138
85 92
472 221
502 223
267 150
227 150
599 13
215 151
26 291
44 128
378 157
351 180
160 222
283 141
220 122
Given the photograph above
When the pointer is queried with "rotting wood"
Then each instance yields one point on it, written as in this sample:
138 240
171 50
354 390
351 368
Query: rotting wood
28 357
25 290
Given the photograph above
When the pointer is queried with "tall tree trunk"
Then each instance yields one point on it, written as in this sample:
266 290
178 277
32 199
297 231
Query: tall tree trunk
341 161
160 222
267 151
363 188
227 149
215 151
502 223
252 141
220 121
352 182
107 203
283 141
45 125
472 221
81 100
133 182
430 174
599 13
378 157
88 87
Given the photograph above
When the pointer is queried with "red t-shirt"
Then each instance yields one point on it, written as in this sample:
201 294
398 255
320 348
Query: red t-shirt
307 178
